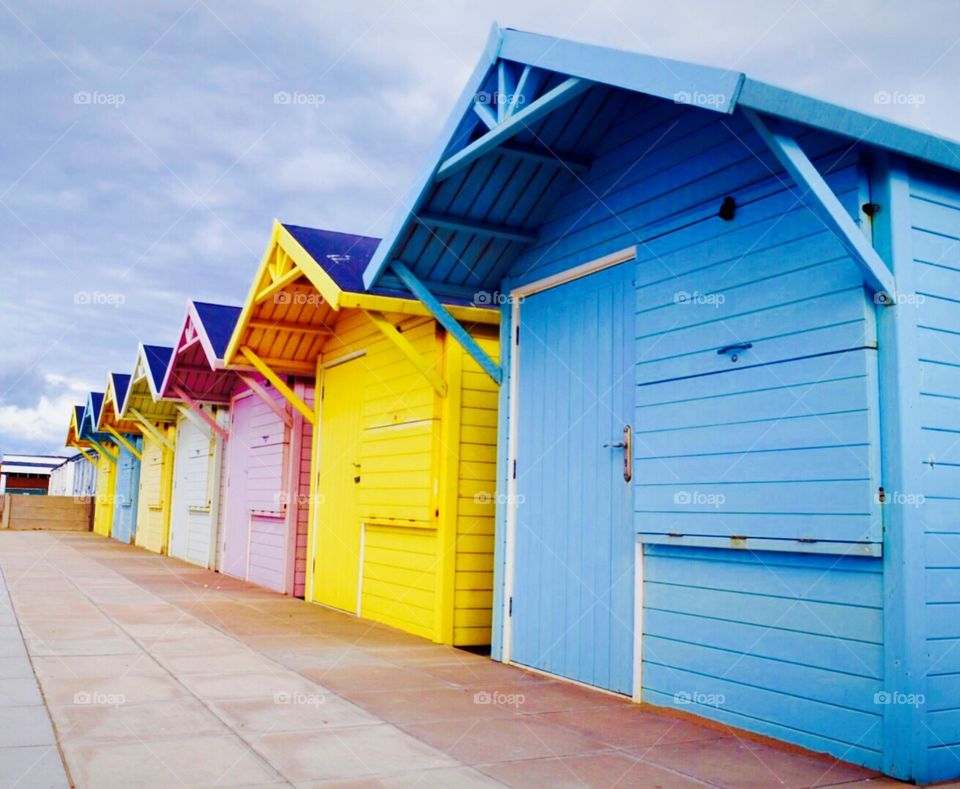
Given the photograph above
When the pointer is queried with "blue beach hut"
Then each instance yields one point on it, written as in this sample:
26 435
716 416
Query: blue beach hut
728 466
130 450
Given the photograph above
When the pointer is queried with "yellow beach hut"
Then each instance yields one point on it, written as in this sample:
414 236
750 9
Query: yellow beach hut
157 421
404 446
107 456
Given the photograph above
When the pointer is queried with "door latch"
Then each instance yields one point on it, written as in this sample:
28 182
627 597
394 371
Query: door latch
627 446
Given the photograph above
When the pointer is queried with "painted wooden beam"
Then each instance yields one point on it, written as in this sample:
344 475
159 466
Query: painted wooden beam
122 440
482 108
277 285
195 407
517 122
289 395
480 228
254 385
906 731
103 450
527 84
826 205
406 347
505 88
152 430
541 155
448 321
300 328
408 306
86 454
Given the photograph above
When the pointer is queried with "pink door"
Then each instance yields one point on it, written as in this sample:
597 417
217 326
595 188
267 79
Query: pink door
265 520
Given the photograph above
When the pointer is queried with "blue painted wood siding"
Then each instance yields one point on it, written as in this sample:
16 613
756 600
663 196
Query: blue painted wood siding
791 639
783 644
786 437
127 492
935 218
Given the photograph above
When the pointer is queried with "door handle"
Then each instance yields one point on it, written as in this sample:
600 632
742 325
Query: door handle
627 446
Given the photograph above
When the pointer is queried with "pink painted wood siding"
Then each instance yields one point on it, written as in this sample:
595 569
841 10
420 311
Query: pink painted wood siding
265 516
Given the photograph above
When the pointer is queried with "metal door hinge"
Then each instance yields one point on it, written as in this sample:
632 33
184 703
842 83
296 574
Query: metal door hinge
510 607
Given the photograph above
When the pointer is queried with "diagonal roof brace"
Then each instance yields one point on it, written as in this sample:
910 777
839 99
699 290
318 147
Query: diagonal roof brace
824 203
445 319
512 125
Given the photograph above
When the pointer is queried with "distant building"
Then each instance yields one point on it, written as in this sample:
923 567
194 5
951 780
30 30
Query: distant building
28 474
75 476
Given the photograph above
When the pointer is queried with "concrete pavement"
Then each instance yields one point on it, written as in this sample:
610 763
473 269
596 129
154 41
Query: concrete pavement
157 673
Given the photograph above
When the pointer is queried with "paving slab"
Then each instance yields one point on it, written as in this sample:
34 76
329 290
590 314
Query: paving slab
158 673
29 753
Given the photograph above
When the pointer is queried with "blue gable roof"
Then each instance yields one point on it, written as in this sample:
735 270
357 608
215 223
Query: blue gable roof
218 321
343 256
121 382
158 357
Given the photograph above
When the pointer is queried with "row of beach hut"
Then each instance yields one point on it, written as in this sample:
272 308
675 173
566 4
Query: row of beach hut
322 441
652 385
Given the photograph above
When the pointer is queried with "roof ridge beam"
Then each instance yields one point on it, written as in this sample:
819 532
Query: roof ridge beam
445 319
820 198
473 226
551 100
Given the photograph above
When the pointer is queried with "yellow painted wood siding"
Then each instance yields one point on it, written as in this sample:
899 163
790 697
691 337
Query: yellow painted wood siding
156 488
399 577
408 579
476 499
106 495
400 417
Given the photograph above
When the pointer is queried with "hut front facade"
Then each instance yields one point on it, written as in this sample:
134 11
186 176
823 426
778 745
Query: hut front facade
129 453
196 380
157 420
727 475
107 458
403 454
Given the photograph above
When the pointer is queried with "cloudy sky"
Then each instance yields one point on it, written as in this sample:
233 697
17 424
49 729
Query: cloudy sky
143 154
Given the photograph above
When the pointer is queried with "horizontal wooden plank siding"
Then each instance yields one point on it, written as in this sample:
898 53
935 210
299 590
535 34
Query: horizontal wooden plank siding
476 501
935 237
786 645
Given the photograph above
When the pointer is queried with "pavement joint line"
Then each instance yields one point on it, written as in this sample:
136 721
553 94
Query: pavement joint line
36 681
89 551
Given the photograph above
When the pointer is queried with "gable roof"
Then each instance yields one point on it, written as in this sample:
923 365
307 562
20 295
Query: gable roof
196 366
217 321
73 430
306 277
560 96
90 424
111 410
143 392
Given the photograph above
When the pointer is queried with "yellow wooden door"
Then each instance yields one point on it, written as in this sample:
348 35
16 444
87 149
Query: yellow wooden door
106 489
335 538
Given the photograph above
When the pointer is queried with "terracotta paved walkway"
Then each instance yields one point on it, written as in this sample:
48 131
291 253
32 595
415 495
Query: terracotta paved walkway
157 673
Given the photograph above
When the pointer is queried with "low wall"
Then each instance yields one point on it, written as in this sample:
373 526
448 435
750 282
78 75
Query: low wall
50 513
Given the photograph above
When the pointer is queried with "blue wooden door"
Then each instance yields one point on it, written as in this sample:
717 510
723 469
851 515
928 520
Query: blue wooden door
573 539
127 490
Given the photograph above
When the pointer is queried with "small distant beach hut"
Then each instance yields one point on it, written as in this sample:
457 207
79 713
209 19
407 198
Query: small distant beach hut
127 435
83 483
157 419
107 456
197 379
403 466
